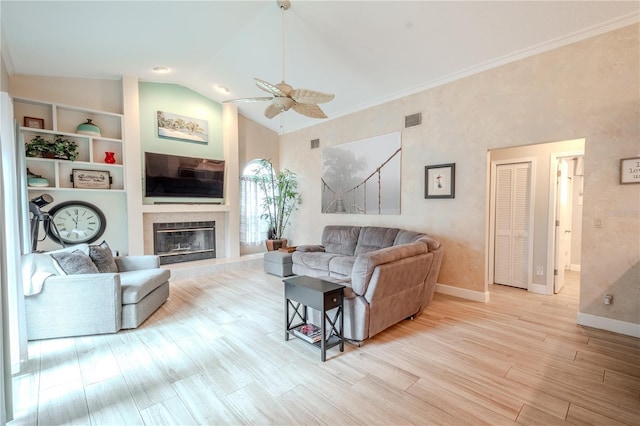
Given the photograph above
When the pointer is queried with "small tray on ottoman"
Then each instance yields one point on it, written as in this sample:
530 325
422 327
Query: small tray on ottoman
287 249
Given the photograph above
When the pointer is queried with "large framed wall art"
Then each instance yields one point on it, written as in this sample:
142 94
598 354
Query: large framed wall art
362 177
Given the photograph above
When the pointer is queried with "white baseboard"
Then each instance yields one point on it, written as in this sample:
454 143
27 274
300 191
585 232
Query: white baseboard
539 288
603 323
463 293
574 267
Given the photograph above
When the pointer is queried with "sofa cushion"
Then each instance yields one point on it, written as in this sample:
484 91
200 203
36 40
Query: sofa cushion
341 266
406 237
137 284
313 260
365 265
374 238
75 263
102 256
340 239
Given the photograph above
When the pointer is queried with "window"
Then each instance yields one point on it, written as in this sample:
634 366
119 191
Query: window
253 229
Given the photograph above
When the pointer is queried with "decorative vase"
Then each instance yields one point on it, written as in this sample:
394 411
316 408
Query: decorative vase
88 128
109 157
36 180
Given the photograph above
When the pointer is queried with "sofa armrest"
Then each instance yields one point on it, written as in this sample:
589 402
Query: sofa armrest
310 248
365 264
75 305
135 263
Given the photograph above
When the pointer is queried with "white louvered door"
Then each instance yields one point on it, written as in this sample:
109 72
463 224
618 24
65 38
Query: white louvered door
512 257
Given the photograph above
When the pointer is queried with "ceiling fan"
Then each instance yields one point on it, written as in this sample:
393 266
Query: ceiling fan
285 97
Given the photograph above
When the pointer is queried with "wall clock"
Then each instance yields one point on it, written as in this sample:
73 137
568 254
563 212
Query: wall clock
76 222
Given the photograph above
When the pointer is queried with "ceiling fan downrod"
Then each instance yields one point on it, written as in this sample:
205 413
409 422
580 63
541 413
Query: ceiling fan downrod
283 5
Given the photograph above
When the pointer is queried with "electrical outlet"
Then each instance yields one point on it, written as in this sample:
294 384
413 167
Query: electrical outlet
597 222
539 270
608 299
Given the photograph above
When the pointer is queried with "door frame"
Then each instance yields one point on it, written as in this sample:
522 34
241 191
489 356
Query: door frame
553 196
492 215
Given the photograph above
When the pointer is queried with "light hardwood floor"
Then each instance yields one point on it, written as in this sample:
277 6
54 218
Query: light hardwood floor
215 354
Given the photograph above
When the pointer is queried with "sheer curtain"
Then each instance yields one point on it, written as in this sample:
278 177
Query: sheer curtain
253 230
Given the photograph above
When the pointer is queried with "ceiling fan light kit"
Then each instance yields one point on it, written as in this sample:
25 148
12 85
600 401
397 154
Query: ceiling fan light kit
284 97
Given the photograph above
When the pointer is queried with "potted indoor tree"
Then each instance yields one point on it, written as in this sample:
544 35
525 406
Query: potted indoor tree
280 199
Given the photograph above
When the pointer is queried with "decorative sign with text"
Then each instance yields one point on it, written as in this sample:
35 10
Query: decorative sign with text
630 170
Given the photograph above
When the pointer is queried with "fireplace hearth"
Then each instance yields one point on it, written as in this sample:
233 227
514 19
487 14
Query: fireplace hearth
184 241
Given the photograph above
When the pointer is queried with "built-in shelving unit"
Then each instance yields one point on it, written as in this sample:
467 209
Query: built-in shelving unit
63 120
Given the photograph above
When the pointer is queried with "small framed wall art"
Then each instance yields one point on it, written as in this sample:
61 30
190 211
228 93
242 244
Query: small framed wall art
440 181
630 170
34 123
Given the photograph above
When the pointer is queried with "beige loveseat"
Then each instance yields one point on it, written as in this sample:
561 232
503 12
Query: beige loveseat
390 273
60 304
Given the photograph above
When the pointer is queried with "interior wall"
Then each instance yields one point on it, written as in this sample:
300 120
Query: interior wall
101 95
256 141
588 90
176 99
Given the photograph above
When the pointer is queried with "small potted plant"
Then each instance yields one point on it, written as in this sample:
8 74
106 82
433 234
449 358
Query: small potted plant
281 198
65 149
37 147
60 148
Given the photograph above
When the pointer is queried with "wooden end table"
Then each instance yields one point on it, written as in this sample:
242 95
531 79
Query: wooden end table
301 292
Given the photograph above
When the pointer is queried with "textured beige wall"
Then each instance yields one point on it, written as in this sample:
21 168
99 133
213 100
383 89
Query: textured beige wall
586 90
101 95
256 141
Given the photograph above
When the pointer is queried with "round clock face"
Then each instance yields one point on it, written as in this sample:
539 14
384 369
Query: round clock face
76 222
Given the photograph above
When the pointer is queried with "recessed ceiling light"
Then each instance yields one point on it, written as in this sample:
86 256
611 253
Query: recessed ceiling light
161 70
222 89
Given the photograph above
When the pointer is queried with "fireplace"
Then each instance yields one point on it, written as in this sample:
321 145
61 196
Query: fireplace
184 241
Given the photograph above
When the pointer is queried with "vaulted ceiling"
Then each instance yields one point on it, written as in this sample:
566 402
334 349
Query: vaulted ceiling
365 52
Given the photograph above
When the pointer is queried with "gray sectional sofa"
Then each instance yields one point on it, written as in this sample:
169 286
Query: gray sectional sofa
390 273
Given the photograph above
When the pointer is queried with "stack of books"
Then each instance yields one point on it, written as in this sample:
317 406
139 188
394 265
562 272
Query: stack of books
308 332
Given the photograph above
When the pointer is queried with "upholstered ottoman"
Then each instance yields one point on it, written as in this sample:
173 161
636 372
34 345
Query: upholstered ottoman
278 263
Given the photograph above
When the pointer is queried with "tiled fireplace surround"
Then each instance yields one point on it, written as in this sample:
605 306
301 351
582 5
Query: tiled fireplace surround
150 218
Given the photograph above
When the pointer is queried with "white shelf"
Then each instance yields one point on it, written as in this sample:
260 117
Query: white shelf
63 120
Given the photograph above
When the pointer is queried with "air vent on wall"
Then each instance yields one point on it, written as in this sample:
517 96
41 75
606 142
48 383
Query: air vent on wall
315 143
413 120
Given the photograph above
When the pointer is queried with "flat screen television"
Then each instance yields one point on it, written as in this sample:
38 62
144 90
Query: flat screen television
175 176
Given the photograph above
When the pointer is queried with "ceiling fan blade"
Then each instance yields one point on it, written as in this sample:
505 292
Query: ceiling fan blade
249 100
272 110
269 88
310 110
307 96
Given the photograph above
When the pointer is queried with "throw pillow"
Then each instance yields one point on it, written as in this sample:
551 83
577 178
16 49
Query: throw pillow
102 256
75 263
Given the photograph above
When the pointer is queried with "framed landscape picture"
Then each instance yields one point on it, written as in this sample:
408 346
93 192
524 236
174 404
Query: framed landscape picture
180 127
